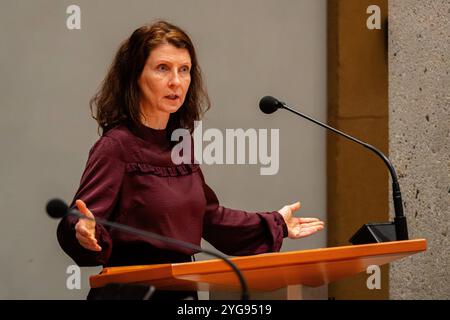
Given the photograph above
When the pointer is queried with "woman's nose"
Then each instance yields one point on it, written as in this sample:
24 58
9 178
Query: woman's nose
174 79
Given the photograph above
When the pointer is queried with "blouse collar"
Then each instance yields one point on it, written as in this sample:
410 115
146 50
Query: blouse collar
152 135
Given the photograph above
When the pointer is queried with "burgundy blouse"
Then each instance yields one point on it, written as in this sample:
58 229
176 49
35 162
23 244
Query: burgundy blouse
129 178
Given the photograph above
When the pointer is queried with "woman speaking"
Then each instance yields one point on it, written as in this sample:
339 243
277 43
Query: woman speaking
154 86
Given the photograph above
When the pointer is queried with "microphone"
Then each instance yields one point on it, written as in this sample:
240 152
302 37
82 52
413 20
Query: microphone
57 208
369 232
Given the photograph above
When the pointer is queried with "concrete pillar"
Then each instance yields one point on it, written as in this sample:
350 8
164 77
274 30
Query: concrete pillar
419 140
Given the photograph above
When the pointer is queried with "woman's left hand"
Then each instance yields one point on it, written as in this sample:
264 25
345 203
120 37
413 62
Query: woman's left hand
299 227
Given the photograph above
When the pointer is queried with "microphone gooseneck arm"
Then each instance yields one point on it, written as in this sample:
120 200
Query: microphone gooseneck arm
368 146
244 295
400 220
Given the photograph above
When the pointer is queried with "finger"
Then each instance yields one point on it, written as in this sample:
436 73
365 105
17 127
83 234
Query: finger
84 209
83 241
306 233
92 247
82 232
90 240
89 244
306 220
311 230
86 243
295 206
80 227
312 224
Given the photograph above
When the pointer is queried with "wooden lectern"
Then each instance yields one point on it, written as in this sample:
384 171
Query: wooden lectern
264 272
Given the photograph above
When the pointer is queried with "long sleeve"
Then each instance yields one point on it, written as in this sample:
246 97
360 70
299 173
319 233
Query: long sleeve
99 188
237 232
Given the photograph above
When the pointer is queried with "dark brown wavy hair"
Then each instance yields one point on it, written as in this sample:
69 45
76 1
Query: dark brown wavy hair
118 99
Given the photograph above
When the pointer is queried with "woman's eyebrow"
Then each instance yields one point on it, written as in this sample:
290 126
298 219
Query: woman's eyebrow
171 62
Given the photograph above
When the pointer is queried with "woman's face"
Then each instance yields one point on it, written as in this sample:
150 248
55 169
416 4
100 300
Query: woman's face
165 79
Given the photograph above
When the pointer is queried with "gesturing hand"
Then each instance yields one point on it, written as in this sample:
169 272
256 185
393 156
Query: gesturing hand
299 227
85 229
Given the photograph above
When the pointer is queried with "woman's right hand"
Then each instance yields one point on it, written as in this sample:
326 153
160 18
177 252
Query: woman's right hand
85 229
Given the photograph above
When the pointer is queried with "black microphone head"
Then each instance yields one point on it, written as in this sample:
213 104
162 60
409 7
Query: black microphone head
269 104
56 208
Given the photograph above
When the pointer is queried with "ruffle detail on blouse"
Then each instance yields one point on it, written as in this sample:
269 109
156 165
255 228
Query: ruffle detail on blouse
172 171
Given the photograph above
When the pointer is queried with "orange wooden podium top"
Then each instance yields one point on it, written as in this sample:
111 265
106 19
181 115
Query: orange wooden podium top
264 272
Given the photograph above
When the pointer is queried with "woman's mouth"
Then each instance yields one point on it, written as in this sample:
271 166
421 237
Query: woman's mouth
172 97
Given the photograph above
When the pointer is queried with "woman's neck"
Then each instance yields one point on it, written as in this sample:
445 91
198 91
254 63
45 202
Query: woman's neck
154 119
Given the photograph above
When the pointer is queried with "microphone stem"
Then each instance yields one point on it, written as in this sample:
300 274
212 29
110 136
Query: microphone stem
245 294
400 220
368 146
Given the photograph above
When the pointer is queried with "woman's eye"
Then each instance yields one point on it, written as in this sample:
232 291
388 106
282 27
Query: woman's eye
162 67
185 69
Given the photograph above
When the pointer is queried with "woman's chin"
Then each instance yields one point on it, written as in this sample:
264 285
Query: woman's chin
171 108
